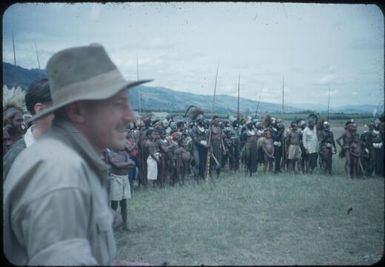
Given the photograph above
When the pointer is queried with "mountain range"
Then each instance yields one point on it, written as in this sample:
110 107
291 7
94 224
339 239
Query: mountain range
166 99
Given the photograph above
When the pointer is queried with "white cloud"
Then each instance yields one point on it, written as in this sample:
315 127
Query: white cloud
327 79
180 45
95 12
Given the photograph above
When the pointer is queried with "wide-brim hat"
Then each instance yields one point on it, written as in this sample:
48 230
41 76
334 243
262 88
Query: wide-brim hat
83 73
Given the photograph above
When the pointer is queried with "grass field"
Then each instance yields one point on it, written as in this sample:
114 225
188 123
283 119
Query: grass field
267 219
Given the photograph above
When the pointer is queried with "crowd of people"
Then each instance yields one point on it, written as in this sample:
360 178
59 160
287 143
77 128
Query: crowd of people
166 150
169 150
83 152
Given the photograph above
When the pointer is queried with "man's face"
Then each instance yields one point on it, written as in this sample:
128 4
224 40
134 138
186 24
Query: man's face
107 121
17 121
154 135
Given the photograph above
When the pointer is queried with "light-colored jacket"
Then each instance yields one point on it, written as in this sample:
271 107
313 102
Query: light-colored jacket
55 203
310 140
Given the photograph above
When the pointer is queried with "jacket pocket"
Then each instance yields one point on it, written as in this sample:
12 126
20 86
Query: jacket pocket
105 239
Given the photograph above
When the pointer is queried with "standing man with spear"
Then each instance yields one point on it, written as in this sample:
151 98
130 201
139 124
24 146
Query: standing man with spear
209 152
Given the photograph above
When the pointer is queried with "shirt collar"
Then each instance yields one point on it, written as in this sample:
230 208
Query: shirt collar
29 139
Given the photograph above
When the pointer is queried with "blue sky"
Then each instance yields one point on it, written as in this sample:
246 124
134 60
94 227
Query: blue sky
179 45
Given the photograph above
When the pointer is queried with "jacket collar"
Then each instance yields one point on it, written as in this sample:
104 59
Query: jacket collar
70 135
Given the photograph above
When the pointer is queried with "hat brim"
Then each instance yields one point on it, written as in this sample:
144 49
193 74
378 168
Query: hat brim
54 107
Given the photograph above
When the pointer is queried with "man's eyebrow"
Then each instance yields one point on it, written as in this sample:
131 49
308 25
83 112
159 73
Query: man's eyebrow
122 98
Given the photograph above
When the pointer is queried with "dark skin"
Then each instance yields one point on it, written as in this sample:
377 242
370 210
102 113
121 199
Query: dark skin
294 138
12 129
268 149
355 153
120 162
347 138
153 147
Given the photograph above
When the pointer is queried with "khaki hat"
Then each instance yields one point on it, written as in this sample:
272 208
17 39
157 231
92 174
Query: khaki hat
83 73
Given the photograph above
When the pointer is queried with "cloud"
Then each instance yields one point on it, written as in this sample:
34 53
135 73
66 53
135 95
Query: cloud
95 13
374 44
328 78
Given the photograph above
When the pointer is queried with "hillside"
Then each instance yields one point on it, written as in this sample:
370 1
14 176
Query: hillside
165 99
154 98
18 76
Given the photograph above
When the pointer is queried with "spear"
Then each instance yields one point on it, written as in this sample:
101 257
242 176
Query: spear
215 90
239 86
210 132
283 160
283 96
37 56
259 101
13 45
328 101
137 77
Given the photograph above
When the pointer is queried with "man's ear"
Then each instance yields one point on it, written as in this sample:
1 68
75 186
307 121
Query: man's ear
39 107
76 112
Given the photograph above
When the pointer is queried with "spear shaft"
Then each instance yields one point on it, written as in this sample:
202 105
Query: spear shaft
283 96
137 77
37 56
14 53
215 91
259 101
239 86
328 102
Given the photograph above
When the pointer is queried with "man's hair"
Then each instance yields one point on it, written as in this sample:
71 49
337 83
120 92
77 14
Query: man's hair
37 92
149 132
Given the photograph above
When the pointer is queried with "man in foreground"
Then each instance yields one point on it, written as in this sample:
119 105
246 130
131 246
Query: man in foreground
55 201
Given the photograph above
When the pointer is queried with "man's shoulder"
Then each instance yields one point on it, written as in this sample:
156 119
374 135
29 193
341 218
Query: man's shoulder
48 152
15 149
47 165
11 155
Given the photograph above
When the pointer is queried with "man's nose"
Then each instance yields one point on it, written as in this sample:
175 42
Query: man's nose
129 114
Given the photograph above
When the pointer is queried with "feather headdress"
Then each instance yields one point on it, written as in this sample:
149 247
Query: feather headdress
14 97
192 112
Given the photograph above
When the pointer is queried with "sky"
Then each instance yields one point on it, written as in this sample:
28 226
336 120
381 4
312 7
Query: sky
305 48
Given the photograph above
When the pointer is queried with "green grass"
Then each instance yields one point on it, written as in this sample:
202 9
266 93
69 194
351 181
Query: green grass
260 220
